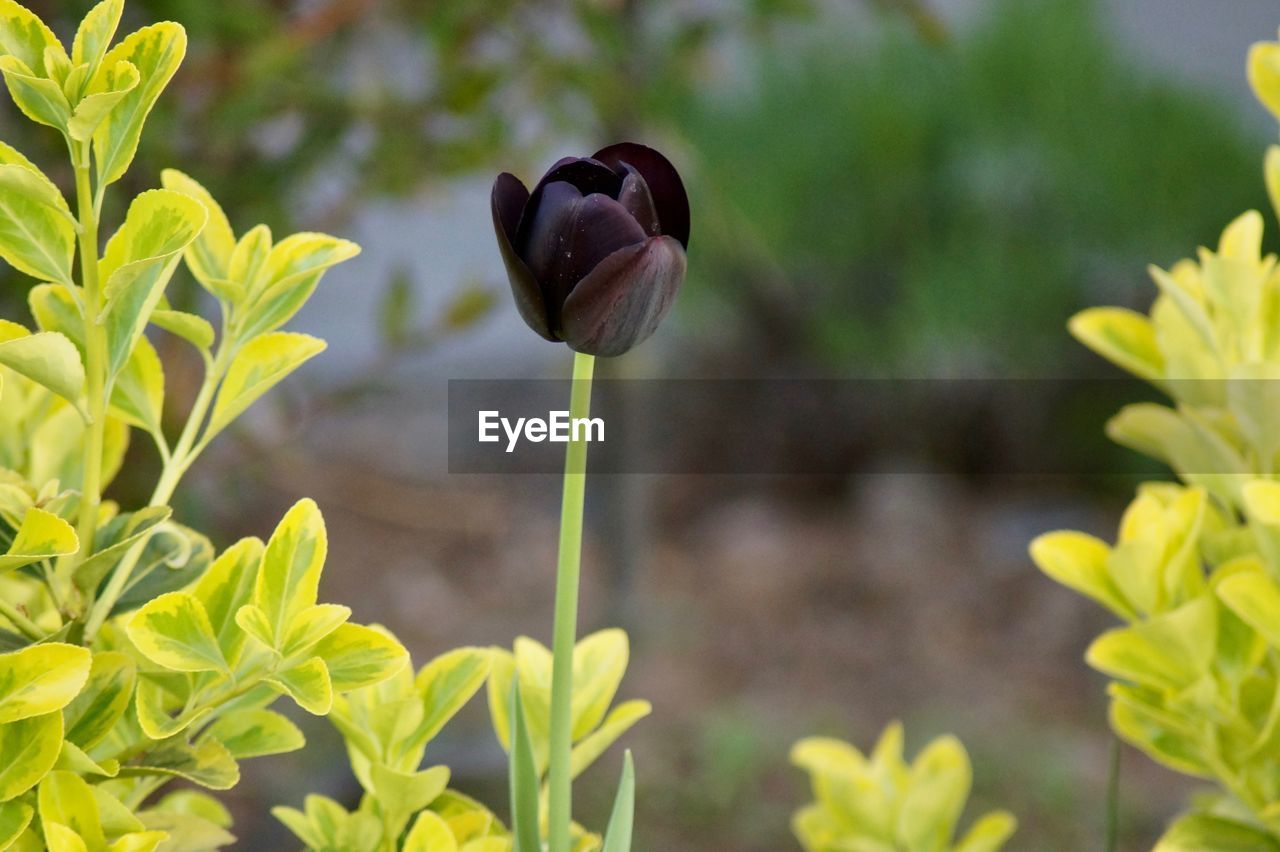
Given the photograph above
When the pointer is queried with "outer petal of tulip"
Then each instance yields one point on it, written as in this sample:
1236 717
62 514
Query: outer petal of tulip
634 195
664 182
569 236
507 202
624 299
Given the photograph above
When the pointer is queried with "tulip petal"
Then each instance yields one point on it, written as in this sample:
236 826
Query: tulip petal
569 236
624 299
507 201
635 197
583 173
669 197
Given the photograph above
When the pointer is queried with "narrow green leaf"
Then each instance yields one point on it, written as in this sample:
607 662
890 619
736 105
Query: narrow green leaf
523 779
156 51
262 364
617 837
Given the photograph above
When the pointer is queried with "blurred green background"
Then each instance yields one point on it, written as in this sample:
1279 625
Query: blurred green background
880 188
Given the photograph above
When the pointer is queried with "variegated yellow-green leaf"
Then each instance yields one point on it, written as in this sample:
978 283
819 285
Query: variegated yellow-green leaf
446 684
310 626
108 89
195 330
1169 651
48 359
55 310
292 272
209 255
358 656
156 51
208 764
173 631
154 716
142 841
1079 562
37 233
617 723
256 733
39 98
1208 833
138 396
225 588
95 33
599 662
989 833
103 700
247 266
1255 598
1123 337
139 260
72 758
289 578
187 831
41 679
259 366
42 535
936 794
24 35
14 819
308 684
429 833
404 793
66 799
28 749
1264 74
61 838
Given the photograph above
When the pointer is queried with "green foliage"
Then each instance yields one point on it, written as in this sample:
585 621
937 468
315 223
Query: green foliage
1195 571
881 802
994 181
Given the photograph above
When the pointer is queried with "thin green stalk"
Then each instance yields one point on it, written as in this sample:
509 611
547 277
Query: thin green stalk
1113 798
560 781
25 626
95 363
175 466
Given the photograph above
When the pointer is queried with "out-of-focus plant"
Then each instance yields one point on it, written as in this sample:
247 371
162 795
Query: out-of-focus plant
1195 572
972 183
881 802
133 656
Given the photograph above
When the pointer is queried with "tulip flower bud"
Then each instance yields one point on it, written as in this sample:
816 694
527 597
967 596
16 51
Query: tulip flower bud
596 253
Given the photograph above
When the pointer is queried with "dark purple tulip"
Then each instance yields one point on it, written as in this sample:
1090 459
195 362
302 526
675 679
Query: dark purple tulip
597 252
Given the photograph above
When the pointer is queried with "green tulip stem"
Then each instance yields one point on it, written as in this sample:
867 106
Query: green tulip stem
560 778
